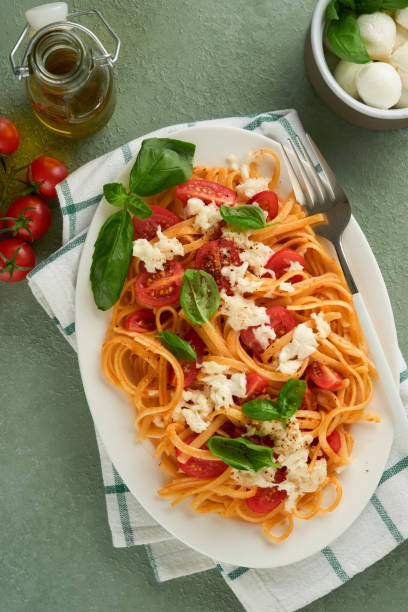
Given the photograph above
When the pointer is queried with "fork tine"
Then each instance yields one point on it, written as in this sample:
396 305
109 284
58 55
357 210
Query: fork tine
331 179
309 191
299 195
316 178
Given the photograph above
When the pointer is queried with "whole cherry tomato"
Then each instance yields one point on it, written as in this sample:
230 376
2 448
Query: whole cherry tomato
46 172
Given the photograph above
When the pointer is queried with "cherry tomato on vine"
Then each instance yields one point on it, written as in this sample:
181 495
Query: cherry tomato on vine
16 260
46 172
29 218
9 136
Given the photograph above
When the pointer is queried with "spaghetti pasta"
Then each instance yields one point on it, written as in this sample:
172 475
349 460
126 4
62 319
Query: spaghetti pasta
318 300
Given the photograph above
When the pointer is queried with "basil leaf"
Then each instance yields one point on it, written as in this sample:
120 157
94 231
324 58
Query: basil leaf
249 216
332 11
177 346
115 193
199 296
393 5
111 258
242 454
137 207
369 6
290 397
160 164
261 409
345 40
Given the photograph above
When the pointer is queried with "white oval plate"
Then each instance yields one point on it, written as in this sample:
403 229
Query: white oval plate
233 541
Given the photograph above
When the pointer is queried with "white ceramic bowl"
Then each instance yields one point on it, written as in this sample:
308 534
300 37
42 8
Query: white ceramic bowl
330 91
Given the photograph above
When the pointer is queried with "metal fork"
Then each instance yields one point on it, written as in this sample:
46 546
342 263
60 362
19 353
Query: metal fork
319 196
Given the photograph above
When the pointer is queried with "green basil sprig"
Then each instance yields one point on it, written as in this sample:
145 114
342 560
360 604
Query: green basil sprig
343 32
248 216
111 258
199 296
160 164
242 454
177 346
289 401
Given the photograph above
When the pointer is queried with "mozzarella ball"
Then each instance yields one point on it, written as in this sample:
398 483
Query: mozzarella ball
378 33
403 101
399 59
400 38
401 17
379 85
345 74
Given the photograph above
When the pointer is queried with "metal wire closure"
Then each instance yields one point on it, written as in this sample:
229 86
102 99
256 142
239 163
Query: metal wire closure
22 70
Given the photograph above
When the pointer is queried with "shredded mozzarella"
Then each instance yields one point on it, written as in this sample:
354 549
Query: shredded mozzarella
154 256
288 287
303 344
237 279
252 186
295 266
193 407
255 254
322 326
207 216
242 313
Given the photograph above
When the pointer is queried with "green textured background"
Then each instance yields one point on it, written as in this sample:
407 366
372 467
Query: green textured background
181 60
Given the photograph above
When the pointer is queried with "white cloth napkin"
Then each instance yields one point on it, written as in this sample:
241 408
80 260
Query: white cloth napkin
381 527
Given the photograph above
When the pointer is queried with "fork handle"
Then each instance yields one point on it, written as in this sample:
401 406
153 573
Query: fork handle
385 375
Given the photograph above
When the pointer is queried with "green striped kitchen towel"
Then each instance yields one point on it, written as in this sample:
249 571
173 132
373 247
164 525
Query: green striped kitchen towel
383 524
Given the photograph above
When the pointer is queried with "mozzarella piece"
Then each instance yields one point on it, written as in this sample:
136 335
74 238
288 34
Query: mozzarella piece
287 287
401 17
401 37
379 85
378 33
302 345
322 326
154 256
221 390
399 59
194 407
252 186
237 279
264 334
255 254
345 74
299 480
242 313
207 216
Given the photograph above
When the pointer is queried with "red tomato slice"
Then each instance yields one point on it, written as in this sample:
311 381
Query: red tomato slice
334 441
214 255
324 377
266 499
147 228
280 319
200 468
281 260
255 383
162 287
190 368
206 191
141 320
268 201
309 400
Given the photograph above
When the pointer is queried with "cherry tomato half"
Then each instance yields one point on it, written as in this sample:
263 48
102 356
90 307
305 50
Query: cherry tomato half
9 136
200 468
162 287
46 172
190 368
206 191
281 260
255 383
266 499
147 228
334 441
30 213
214 255
324 377
15 254
141 320
281 320
268 201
